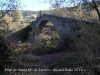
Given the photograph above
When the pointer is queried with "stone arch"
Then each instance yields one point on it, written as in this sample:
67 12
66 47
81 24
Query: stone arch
63 29
48 33
61 25
42 25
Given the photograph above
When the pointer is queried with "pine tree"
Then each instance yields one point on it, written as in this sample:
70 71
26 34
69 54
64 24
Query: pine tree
40 13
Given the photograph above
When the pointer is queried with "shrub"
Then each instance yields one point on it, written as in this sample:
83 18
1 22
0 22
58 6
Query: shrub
5 55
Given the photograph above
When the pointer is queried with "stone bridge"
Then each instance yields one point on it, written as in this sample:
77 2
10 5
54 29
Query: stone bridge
66 27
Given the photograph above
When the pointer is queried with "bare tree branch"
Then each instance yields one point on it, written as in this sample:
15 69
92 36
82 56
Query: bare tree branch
96 8
7 6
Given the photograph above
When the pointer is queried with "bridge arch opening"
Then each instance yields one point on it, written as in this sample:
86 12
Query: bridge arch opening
41 26
47 34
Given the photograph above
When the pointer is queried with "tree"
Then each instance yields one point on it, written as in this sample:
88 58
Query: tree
5 52
73 3
57 8
44 12
56 5
7 5
93 3
7 18
17 15
96 8
39 13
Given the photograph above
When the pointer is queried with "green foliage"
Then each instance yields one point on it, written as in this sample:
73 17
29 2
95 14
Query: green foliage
44 12
0 14
40 13
17 15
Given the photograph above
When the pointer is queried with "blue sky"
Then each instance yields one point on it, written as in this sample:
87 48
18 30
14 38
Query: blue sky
34 5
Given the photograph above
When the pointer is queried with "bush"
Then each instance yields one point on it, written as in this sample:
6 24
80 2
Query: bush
5 55
89 46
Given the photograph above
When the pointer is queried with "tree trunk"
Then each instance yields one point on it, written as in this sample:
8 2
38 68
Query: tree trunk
96 8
